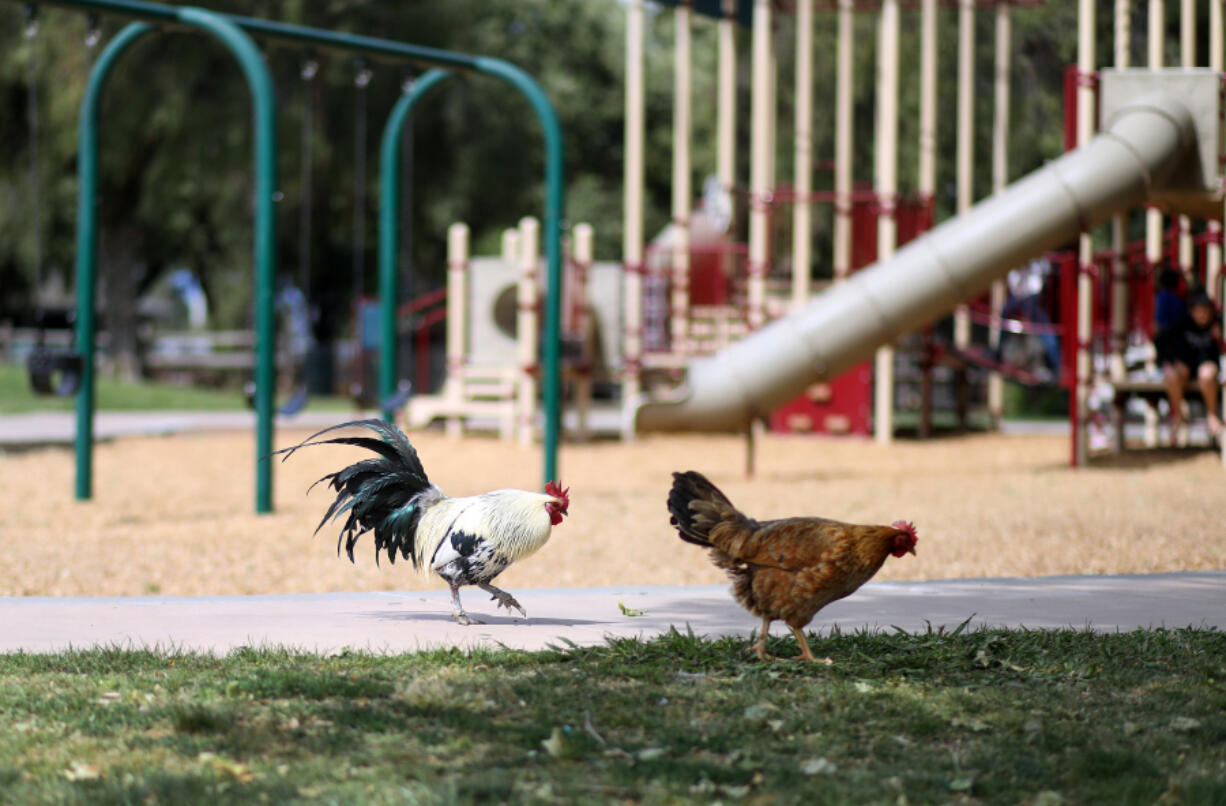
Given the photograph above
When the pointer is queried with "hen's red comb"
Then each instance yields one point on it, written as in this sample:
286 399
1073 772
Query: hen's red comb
908 527
555 489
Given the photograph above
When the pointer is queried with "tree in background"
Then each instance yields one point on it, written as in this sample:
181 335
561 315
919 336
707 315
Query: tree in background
177 140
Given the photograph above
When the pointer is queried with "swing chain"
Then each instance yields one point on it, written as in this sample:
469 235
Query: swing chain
31 29
310 67
362 74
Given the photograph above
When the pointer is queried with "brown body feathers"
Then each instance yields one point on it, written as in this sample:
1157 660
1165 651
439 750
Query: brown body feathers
786 569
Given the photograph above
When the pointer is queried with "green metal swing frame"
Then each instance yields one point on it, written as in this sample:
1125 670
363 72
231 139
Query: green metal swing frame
235 33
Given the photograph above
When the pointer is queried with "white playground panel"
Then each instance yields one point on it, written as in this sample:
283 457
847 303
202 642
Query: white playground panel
493 328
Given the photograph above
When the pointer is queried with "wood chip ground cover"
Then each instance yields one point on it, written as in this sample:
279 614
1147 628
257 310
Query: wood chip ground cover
174 515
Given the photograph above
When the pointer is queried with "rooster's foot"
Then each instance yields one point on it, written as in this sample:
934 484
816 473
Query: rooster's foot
504 599
760 651
464 620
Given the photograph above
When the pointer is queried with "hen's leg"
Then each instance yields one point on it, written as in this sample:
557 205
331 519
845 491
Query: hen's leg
805 653
760 647
503 598
457 609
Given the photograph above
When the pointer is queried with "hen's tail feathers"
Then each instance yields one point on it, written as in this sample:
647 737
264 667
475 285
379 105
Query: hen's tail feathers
385 495
696 506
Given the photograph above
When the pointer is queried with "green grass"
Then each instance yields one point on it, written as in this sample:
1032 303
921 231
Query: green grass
1007 717
16 397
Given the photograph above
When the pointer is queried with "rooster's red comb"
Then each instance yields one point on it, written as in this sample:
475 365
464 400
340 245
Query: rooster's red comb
555 489
908 527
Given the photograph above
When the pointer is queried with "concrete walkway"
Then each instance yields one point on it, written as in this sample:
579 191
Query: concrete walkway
399 622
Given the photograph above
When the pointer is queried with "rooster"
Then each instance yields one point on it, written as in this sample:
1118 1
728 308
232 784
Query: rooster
785 569
466 541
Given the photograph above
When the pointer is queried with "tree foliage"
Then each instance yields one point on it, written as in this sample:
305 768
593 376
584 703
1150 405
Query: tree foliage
177 140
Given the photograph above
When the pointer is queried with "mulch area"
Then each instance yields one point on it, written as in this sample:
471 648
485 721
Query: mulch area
174 515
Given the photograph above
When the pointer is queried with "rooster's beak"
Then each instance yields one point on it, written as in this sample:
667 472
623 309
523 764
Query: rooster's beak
912 550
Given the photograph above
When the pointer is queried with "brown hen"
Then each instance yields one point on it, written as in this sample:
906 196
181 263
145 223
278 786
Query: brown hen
786 569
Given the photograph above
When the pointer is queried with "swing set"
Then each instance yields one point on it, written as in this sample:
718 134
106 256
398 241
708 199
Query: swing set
75 367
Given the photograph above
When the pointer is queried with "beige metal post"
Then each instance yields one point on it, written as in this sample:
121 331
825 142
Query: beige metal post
761 145
1187 58
457 325
726 101
887 194
1153 216
802 210
842 140
966 140
1119 229
928 99
1000 178
1213 254
927 175
583 255
1157 60
1085 252
526 327
632 231
682 195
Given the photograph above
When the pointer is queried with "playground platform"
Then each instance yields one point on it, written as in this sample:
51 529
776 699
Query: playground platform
405 622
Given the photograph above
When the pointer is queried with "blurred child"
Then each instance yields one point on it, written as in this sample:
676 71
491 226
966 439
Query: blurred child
1192 349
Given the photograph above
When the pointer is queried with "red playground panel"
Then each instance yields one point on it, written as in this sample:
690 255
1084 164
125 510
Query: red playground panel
841 406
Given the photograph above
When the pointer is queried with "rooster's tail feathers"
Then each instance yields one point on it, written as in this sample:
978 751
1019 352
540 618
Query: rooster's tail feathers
696 506
385 495
392 443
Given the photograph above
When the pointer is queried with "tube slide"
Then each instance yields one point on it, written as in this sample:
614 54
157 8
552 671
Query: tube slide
1142 146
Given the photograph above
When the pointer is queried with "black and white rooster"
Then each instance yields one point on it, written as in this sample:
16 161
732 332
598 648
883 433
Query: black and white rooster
466 541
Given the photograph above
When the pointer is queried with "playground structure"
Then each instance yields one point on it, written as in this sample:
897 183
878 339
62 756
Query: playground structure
492 334
1157 146
716 334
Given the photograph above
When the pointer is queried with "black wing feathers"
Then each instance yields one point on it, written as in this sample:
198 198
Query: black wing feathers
696 505
378 493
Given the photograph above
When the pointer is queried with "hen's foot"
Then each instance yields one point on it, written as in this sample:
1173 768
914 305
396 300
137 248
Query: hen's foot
464 620
504 599
759 648
805 652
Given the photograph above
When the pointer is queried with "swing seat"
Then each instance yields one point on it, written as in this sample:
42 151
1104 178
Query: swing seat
55 372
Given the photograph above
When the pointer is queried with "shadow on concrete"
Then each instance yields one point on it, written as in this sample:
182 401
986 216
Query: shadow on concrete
480 619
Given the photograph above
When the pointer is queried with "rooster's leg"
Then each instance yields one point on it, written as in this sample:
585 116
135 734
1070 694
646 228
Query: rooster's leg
502 597
805 653
760 647
457 609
